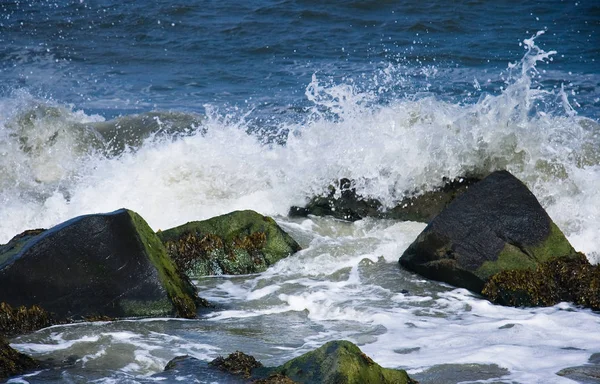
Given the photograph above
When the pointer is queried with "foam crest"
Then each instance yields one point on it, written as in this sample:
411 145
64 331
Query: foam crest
404 146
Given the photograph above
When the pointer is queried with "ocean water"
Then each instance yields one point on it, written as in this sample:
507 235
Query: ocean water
185 110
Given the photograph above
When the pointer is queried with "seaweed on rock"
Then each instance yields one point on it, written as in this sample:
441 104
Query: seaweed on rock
22 320
562 279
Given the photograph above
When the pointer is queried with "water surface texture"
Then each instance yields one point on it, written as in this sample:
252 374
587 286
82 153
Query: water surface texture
183 110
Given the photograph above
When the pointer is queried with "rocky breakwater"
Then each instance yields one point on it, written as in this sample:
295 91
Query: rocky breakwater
336 362
343 202
496 240
239 242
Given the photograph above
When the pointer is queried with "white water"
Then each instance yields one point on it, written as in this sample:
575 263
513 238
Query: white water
333 288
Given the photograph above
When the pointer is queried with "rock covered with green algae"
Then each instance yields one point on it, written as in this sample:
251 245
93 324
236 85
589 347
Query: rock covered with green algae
101 265
561 279
16 321
336 362
340 362
497 225
12 362
239 242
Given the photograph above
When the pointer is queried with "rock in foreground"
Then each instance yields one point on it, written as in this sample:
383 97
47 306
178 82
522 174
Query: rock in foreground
337 362
497 225
340 362
239 242
102 265
12 362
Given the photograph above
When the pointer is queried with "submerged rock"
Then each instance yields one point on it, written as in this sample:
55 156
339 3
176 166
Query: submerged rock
239 242
340 362
585 374
342 202
12 362
96 266
496 226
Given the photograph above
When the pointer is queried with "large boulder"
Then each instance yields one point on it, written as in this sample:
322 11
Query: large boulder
343 202
239 242
102 265
497 225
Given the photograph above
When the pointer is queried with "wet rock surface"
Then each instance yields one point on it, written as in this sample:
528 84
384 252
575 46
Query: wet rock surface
102 265
497 225
342 202
239 242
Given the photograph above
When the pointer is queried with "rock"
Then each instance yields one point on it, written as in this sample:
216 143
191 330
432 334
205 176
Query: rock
497 225
237 363
12 362
22 320
584 374
337 362
340 362
425 206
101 265
348 205
239 242
187 369
275 378
561 279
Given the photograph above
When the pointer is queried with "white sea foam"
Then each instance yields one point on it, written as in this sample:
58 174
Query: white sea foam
49 175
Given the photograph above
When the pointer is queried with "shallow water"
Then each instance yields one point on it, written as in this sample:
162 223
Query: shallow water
183 112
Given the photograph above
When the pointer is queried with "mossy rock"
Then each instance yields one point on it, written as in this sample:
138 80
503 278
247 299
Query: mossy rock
337 362
340 362
497 225
22 320
342 202
237 363
12 362
14 246
96 266
561 279
239 242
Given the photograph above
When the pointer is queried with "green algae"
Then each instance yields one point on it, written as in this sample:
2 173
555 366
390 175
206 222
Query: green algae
15 321
527 257
239 242
180 290
340 362
237 363
562 279
17 243
139 308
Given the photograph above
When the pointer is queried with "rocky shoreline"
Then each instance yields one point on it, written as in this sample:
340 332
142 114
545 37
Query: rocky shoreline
490 236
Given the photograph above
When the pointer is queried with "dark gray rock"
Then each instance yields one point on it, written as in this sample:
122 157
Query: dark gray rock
496 225
584 374
103 265
350 206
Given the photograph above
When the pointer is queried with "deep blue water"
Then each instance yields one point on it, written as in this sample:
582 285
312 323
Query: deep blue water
120 57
